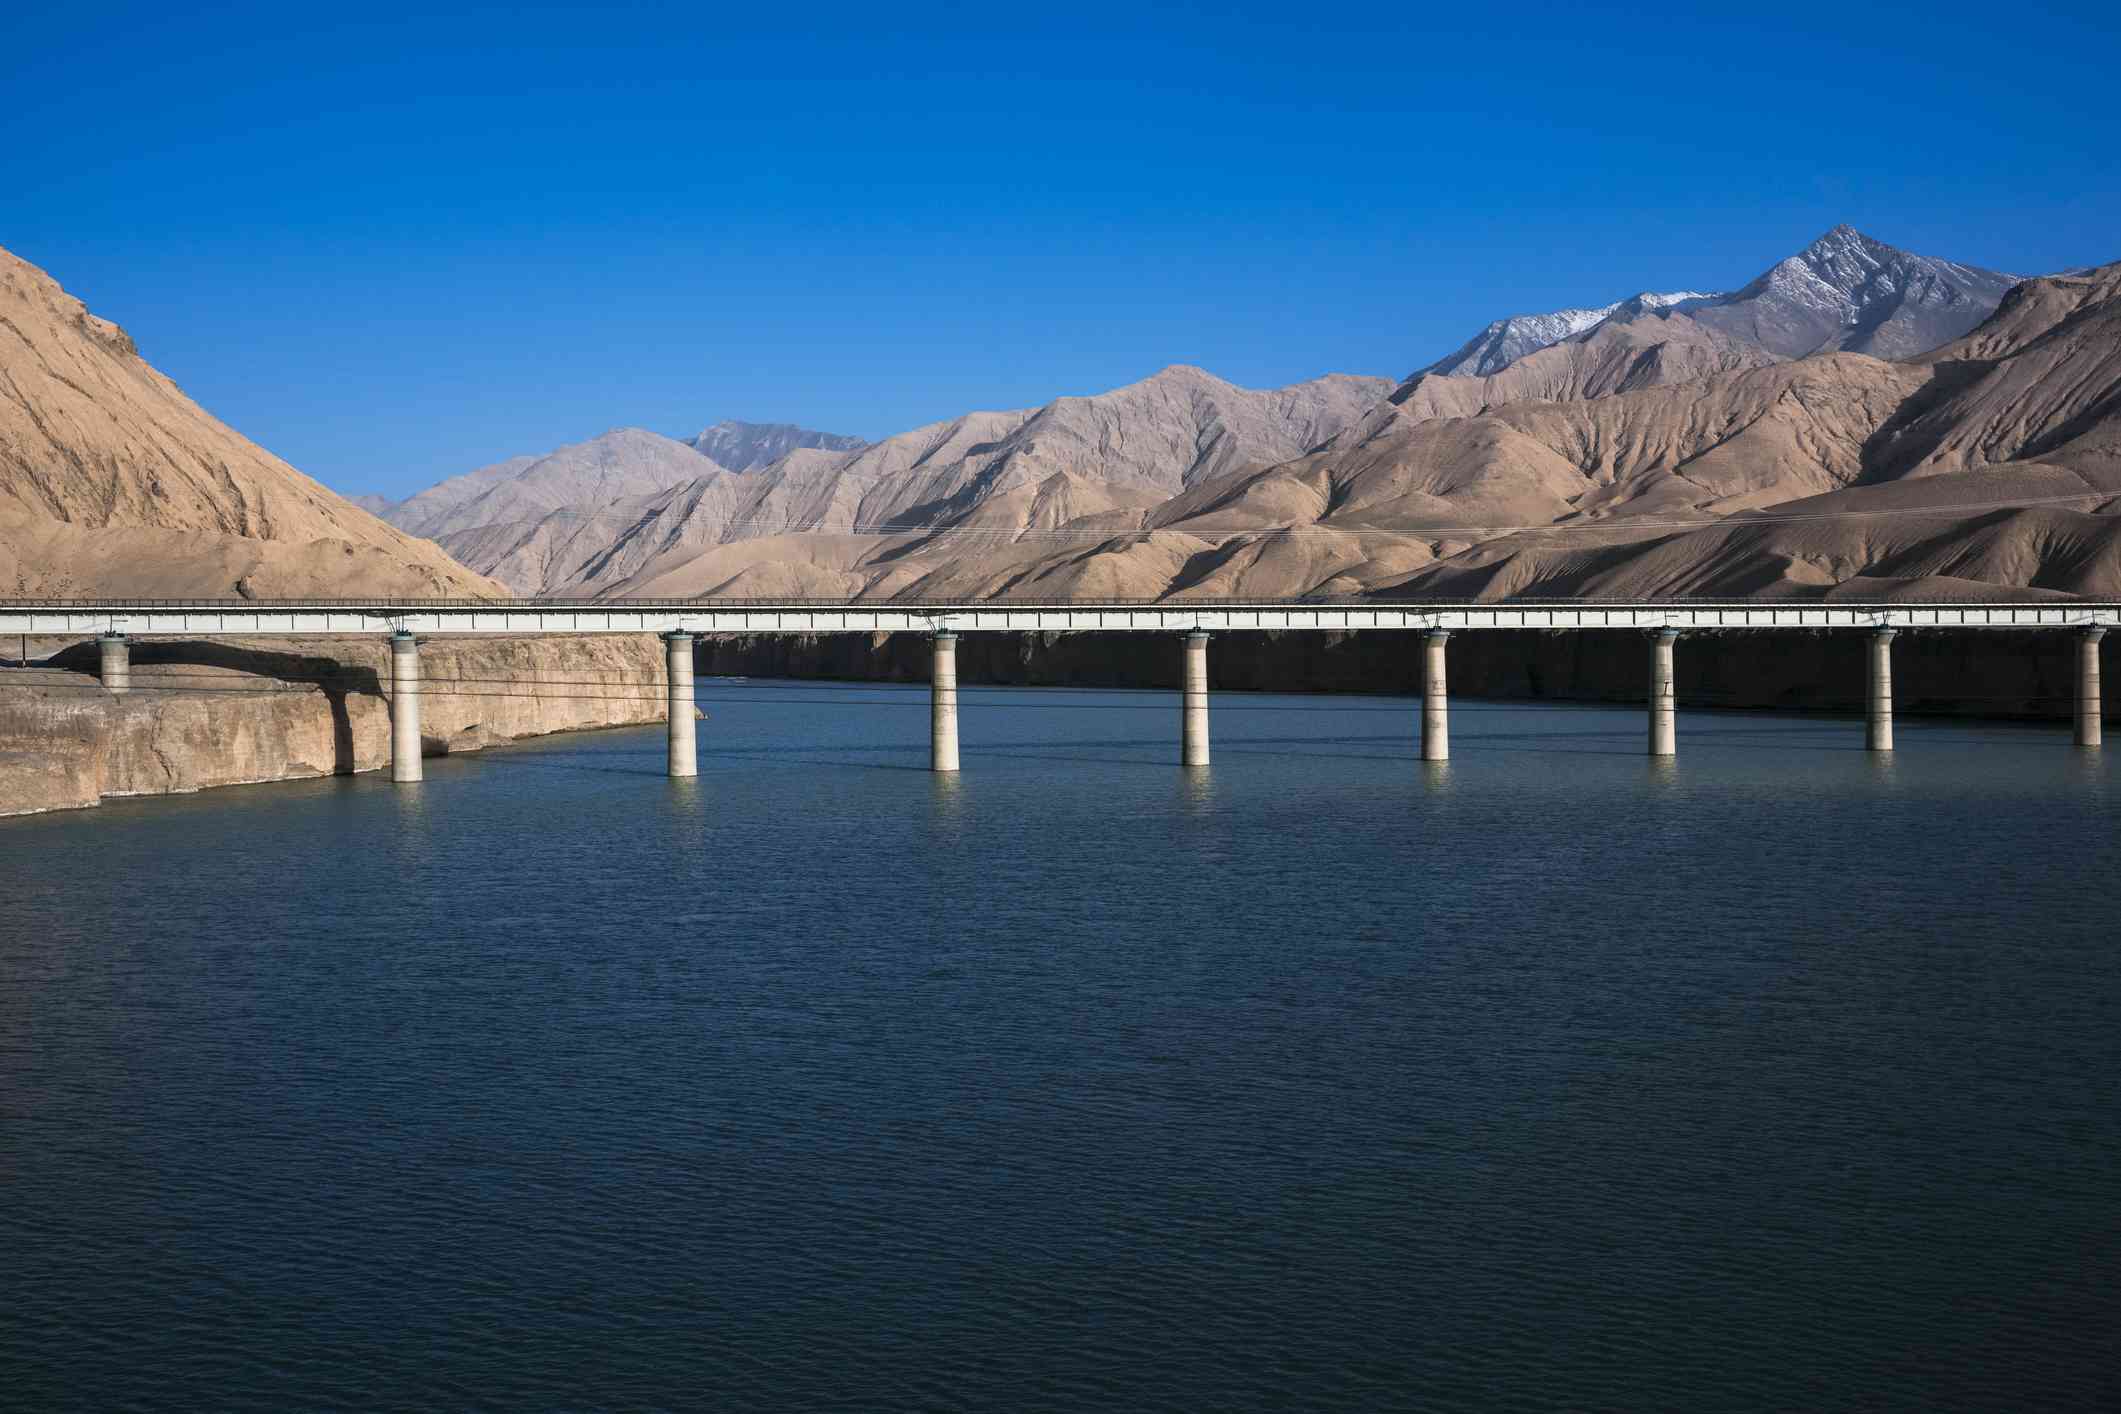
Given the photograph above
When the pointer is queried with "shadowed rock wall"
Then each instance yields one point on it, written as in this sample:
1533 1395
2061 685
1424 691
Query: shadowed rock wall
1992 674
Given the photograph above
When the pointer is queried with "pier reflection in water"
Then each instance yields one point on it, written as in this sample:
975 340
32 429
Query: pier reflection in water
1780 1075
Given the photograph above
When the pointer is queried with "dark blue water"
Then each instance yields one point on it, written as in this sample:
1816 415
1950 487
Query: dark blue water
1784 1077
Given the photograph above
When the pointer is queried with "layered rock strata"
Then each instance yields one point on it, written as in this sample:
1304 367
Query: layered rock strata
203 714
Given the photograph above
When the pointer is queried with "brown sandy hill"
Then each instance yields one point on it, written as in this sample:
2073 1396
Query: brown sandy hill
2043 384
112 482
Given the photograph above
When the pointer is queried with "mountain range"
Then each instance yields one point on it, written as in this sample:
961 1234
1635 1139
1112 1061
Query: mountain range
1857 419
1586 428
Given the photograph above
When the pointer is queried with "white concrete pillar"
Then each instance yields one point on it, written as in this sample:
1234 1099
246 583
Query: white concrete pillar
1435 698
942 713
684 725
117 667
404 707
1878 713
2090 732
1193 709
1664 714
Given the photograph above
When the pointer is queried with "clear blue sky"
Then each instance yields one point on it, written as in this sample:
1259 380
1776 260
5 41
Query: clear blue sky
394 247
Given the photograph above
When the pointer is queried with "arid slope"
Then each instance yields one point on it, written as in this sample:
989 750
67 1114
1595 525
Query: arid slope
112 482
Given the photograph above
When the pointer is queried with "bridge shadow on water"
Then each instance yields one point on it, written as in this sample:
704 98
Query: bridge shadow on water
652 763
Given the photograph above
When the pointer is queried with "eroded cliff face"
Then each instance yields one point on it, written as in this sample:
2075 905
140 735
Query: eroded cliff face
206 713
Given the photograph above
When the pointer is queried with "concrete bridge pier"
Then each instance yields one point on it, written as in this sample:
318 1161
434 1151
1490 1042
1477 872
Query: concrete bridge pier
1878 713
1435 698
1193 709
684 727
2090 732
117 665
1664 714
942 712
405 707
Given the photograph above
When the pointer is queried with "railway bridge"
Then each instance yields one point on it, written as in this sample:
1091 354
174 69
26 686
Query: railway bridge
1192 622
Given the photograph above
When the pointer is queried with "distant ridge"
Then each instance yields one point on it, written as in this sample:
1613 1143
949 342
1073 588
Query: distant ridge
1112 454
621 463
1505 341
743 446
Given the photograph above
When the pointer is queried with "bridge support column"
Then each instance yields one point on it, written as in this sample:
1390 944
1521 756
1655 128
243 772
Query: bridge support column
2090 732
1878 711
942 713
1193 709
117 665
1664 714
1435 698
404 707
684 727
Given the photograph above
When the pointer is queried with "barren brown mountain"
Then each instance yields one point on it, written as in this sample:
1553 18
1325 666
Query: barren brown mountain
1990 466
987 476
112 482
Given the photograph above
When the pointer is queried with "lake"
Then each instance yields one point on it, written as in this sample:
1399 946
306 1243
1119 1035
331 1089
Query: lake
1781 1076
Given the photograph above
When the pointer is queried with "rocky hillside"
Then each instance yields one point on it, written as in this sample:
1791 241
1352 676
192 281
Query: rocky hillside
112 482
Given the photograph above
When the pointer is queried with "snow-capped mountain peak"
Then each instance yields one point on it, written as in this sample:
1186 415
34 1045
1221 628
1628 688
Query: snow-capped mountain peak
1505 341
1850 291
1843 291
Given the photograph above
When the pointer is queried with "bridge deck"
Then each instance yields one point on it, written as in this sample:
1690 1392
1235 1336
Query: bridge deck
236 617
531 616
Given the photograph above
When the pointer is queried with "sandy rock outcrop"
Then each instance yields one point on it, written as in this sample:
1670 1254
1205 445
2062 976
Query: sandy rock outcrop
204 714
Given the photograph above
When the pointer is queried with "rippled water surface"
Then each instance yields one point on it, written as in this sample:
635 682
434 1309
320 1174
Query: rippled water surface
1784 1077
